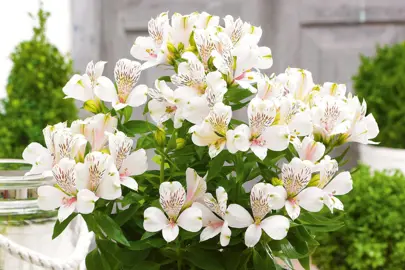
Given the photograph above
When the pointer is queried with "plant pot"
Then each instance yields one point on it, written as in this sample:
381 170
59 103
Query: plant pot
24 223
380 158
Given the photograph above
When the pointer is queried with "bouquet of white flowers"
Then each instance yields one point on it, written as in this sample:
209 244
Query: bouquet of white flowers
229 194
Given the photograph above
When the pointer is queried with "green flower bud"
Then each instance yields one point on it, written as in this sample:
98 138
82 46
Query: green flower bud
93 106
160 137
180 143
276 181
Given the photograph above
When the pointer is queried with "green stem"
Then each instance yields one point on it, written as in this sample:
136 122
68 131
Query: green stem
162 168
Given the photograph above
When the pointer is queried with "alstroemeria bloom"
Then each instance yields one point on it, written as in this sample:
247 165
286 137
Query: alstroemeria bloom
181 28
197 92
172 199
213 217
363 128
275 226
298 83
65 195
241 33
296 176
163 106
128 163
206 20
152 48
98 177
212 132
332 185
310 150
260 135
81 87
269 88
333 89
60 142
126 74
94 129
330 117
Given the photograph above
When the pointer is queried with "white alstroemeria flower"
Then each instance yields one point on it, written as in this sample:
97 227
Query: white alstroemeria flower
60 143
213 217
65 195
126 74
333 89
310 150
296 176
152 49
181 28
94 129
212 132
128 163
172 199
269 88
276 226
81 87
196 187
362 128
205 21
260 135
298 83
330 117
206 42
97 177
332 185
163 106
241 32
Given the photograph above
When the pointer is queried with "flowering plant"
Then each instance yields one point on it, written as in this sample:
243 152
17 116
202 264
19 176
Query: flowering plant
227 194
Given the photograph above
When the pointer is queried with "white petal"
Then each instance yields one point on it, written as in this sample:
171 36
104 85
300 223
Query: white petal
172 198
190 219
99 68
86 200
129 182
196 186
208 217
216 148
259 151
138 96
33 151
278 196
311 199
225 235
238 217
310 150
105 89
83 176
340 185
135 164
210 232
252 235
332 202
170 232
196 109
265 58
65 211
144 49
43 164
110 186
50 198
277 137
238 139
301 124
154 220
78 88
293 209
276 226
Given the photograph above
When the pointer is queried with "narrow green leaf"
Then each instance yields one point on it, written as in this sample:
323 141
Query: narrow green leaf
165 78
95 261
203 259
305 263
139 126
147 243
61 226
127 112
110 227
146 265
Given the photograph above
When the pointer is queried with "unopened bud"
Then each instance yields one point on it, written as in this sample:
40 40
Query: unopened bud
180 143
160 137
171 48
93 106
276 181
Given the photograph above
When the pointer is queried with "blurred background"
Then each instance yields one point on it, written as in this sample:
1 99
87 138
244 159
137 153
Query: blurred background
356 42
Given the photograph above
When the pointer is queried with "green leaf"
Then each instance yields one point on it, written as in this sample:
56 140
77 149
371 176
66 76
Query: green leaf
127 112
305 263
290 251
262 262
145 142
147 243
146 235
95 261
216 164
61 226
165 78
110 227
139 127
124 216
203 259
146 265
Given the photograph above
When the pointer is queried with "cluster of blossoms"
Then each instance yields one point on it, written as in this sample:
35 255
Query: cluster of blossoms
217 70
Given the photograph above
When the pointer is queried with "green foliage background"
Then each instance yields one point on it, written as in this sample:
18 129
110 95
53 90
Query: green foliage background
34 90
374 235
381 81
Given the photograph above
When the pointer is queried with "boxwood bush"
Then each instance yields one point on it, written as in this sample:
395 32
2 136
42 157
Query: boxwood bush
381 81
374 235
34 90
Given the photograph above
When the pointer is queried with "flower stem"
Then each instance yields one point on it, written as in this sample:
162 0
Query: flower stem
162 168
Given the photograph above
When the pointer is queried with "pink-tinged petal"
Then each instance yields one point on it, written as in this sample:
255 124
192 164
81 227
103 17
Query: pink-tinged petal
311 199
238 217
225 234
276 226
259 150
50 198
252 235
86 200
129 182
310 150
208 217
138 96
170 232
66 210
292 208
340 185
196 186
172 198
154 220
210 232
135 164
190 219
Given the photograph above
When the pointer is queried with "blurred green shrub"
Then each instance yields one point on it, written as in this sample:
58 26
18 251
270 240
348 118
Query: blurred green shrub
374 235
34 90
381 81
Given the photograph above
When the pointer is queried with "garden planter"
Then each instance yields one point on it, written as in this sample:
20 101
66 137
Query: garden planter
24 223
379 158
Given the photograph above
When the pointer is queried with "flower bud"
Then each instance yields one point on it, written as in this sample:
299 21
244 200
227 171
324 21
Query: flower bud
276 181
160 137
171 48
180 143
93 106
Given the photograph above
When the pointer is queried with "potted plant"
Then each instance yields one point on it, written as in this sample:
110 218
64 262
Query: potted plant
194 212
380 80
